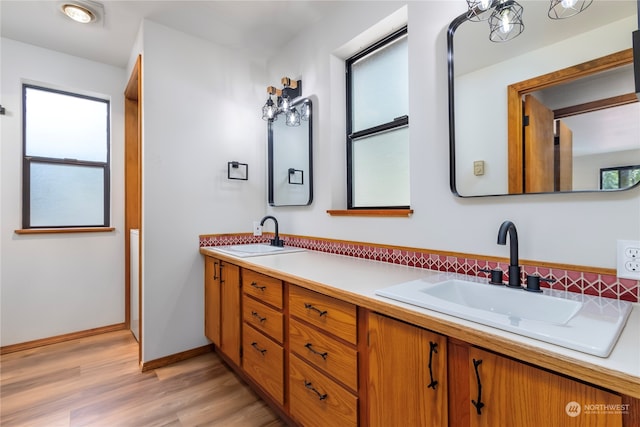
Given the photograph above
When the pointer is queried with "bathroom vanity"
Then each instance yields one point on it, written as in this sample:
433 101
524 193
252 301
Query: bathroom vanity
309 333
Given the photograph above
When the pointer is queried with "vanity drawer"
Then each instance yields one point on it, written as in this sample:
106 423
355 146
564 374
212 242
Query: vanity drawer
315 400
263 360
262 317
325 353
334 316
264 288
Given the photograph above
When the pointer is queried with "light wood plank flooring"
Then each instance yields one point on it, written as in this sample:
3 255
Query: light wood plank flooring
96 381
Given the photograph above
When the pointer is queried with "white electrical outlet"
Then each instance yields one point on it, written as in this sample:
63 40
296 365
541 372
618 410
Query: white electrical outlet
257 228
629 259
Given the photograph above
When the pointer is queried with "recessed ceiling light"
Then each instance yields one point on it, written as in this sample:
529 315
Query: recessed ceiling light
78 12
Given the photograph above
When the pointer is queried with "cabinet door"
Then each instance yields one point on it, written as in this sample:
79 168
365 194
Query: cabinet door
212 299
230 311
515 394
407 374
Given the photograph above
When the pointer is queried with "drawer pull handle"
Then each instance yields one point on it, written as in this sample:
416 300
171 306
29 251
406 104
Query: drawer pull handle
261 350
478 404
309 386
311 349
433 349
258 287
312 307
257 316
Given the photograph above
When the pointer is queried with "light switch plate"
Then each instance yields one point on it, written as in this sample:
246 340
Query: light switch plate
628 259
478 167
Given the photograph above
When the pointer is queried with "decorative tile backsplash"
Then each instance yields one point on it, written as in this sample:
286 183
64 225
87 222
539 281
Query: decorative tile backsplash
565 280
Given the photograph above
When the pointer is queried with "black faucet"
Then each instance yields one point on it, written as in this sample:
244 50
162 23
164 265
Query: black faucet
276 240
514 268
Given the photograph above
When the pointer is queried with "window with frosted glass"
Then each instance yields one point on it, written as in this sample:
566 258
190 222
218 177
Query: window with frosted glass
377 125
66 159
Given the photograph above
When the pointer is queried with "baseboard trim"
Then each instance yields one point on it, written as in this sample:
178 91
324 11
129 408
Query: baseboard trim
173 358
12 348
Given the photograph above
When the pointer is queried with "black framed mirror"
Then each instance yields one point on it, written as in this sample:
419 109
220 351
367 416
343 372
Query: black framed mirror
290 160
487 136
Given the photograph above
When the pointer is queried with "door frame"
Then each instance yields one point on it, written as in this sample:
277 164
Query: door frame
516 91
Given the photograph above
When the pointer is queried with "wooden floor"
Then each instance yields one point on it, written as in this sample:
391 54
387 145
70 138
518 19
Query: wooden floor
96 381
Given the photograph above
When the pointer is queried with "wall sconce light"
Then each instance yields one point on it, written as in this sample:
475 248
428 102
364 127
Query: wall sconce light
283 98
505 22
561 9
237 170
505 16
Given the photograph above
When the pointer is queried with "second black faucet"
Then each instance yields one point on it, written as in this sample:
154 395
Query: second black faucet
514 267
276 240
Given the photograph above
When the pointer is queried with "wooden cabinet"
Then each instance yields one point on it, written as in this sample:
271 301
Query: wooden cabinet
323 366
506 392
263 332
212 299
230 311
407 381
222 316
302 351
263 361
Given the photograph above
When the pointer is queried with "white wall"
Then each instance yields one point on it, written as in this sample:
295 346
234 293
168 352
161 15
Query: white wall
201 109
575 229
59 283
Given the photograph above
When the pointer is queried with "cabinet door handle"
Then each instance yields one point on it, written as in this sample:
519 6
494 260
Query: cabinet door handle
220 273
478 404
433 349
215 276
312 307
258 287
261 350
309 386
257 316
312 350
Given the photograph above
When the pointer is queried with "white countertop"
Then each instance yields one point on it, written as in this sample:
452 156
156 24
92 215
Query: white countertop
356 280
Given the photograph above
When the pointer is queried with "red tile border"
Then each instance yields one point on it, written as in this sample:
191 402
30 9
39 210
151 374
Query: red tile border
565 280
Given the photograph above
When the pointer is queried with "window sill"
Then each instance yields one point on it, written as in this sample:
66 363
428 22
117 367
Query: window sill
65 230
371 212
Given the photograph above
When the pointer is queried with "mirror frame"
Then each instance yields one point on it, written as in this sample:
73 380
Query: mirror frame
634 54
270 149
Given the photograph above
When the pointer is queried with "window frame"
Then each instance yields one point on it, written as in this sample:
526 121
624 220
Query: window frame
27 161
617 169
396 123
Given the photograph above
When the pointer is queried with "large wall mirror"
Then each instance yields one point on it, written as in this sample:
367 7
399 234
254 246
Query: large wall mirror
290 158
551 110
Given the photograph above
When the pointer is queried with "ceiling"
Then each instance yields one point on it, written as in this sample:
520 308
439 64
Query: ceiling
256 27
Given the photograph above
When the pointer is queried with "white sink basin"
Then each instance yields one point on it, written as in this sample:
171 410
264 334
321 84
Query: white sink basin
255 249
579 322
513 303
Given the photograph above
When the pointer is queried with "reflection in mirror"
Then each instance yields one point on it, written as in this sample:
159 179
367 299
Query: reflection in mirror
600 110
290 159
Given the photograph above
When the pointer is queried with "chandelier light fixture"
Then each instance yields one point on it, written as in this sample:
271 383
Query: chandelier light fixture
505 16
280 102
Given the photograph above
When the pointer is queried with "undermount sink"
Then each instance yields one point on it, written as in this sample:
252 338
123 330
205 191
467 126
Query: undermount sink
255 249
576 321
